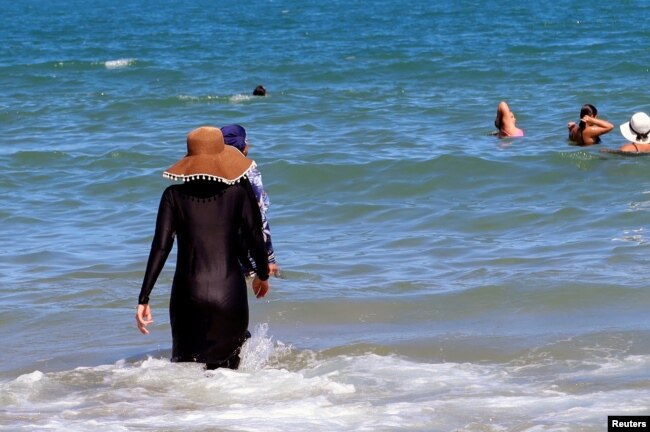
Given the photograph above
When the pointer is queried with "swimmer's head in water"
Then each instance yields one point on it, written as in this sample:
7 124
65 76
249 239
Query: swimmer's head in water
259 91
587 110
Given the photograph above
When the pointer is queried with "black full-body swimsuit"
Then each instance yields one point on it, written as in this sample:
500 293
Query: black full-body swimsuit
215 224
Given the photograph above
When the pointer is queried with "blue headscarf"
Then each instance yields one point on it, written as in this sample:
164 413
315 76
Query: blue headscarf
235 136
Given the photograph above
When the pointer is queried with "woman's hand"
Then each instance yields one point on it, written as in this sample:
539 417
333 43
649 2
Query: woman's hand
143 317
260 287
588 119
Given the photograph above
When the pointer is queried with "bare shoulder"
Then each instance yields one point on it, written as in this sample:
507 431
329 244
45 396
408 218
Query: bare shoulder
629 147
632 149
620 152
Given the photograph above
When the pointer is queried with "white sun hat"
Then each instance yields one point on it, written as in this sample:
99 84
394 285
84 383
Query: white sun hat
637 130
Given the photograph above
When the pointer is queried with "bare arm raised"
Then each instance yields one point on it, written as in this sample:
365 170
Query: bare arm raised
506 122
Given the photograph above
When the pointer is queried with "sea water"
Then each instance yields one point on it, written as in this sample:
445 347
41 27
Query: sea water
433 277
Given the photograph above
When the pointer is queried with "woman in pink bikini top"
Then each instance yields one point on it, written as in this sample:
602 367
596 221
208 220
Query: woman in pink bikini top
506 123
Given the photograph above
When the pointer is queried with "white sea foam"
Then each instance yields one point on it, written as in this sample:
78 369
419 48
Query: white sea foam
360 392
633 236
198 98
30 378
119 63
240 98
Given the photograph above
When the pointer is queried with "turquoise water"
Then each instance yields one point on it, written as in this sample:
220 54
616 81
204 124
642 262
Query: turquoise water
434 278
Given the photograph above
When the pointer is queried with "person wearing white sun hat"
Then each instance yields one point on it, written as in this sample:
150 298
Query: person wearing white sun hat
637 132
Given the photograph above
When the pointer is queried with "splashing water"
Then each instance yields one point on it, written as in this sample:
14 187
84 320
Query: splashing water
260 350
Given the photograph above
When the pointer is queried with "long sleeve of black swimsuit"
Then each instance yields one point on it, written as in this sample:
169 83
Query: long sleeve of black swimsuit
174 209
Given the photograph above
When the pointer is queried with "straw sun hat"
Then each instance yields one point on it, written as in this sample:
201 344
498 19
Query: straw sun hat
637 130
208 158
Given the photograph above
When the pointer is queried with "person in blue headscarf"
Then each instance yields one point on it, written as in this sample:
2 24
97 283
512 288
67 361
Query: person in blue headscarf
235 135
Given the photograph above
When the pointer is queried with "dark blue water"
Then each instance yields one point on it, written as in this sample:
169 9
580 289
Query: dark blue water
433 276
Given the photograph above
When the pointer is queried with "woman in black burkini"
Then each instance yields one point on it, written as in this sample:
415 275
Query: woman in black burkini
215 215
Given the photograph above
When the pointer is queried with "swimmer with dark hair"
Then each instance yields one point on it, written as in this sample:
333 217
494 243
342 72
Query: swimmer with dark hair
588 131
259 91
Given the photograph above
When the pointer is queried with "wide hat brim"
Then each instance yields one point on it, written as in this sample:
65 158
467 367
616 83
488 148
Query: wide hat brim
209 159
638 124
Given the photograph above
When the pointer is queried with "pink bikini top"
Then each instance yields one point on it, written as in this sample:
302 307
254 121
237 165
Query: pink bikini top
519 133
